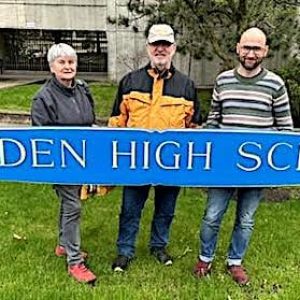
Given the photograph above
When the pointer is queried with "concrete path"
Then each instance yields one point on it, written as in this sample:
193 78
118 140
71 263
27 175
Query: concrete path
9 79
14 78
11 83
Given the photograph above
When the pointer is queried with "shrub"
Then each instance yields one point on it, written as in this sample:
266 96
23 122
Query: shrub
205 101
291 75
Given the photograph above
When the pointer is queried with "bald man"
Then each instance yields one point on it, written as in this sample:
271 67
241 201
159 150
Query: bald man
247 97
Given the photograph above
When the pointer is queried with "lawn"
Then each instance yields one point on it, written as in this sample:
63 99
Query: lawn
19 98
29 269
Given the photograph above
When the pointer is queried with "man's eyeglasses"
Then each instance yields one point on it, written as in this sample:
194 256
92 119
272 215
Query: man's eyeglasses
256 49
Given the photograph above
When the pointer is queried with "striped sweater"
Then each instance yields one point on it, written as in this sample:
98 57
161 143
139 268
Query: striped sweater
259 102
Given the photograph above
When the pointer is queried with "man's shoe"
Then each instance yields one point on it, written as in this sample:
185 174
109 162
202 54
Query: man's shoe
81 273
121 263
238 274
60 251
202 269
162 256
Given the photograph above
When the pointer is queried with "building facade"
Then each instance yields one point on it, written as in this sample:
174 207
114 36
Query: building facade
29 27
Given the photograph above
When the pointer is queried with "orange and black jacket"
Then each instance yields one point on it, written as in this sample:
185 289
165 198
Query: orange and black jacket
147 99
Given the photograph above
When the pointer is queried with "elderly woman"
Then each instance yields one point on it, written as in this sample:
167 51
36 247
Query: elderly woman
65 101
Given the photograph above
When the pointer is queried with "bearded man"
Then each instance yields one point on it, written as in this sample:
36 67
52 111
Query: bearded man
247 97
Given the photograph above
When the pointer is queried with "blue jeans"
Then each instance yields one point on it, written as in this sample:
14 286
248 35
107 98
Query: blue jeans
134 198
248 200
69 221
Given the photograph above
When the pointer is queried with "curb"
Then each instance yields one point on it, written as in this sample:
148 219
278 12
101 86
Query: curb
22 118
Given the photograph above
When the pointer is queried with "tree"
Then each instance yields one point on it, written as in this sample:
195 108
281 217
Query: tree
291 76
209 28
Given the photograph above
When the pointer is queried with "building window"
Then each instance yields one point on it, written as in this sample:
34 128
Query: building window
27 49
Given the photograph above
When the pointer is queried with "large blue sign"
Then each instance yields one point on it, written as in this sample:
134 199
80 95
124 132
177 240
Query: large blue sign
134 157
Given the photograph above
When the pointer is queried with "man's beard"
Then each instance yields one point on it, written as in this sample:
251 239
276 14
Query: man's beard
161 65
251 67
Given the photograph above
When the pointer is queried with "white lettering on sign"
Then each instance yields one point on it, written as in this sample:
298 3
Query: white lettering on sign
21 151
41 153
270 156
167 155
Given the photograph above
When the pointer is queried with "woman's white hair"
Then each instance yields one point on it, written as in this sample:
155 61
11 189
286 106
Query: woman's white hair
58 50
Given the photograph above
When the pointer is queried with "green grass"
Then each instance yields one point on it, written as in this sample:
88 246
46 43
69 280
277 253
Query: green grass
104 96
29 269
19 98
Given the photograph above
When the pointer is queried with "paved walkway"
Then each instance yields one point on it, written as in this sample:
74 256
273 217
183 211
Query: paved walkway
10 83
14 78
9 79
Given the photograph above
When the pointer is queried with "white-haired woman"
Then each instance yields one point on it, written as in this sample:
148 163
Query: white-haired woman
64 101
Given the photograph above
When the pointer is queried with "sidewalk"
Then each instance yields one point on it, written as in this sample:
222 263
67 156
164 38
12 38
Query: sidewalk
14 78
10 83
9 78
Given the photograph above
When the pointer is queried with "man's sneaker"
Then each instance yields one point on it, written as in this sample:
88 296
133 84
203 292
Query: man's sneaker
81 273
60 251
121 263
162 256
238 274
202 269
